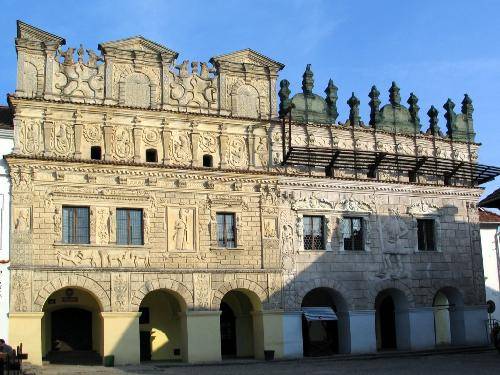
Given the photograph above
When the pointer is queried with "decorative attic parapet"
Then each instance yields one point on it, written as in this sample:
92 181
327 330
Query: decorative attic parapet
307 107
137 72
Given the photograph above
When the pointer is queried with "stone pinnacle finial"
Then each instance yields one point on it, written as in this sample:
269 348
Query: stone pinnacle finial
284 95
414 108
331 99
374 105
450 116
307 80
354 117
433 121
394 97
467 108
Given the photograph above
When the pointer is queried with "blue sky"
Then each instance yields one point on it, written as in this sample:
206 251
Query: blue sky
436 49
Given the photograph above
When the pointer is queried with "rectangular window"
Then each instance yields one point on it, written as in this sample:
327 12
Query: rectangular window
226 230
313 233
75 226
425 232
129 226
353 233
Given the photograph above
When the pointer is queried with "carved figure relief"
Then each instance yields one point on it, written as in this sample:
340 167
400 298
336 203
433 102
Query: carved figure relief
22 220
181 229
262 151
311 202
103 258
57 224
83 79
353 205
21 287
29 137
237 155
422 208
102 228
270 227
62 139
180 148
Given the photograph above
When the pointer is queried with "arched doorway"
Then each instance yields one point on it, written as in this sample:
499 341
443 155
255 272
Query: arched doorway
162 327
241 325
72 328
448 317
324 333
392 321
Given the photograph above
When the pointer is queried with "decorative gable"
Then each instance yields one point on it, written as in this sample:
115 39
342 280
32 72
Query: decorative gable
33 34
138 45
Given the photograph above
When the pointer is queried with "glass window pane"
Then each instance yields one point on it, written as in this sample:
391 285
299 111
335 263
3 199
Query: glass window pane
121 226
135 227
429 233
67 224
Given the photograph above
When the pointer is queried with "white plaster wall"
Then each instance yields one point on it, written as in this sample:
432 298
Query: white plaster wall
422 328
362 327
475 318
292 335
6 144
490 265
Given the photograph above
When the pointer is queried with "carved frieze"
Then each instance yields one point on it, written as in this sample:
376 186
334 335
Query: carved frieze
30 137
311 202
353 205
180 147
100 257
21 291
120 291
422 208
123 144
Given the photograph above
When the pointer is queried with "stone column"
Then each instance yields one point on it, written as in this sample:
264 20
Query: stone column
475 318
195 137
108 143
50 52
121 336
223 139
362 328
78 135
108 81
48 127
137 133
166 136
26 328
251 146
422 328
202 342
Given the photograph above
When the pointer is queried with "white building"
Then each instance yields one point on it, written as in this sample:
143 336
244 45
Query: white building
490 243
6 144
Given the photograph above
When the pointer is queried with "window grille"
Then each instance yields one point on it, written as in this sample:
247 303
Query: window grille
75 225
129 228
425 234
313 233
226 230
353 233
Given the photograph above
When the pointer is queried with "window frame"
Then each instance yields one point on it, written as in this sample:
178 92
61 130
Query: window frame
351 218
128 227
322 226
72 232
425 232
224 243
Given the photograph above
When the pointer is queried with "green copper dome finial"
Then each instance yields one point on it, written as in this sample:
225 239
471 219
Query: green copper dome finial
374 105
450 116
394 97
307 81
331 100
354 118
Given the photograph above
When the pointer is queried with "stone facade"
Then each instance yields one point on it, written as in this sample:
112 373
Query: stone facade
134 97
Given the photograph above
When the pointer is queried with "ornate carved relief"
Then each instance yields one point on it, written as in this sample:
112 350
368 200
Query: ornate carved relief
207 143
202 291
353 205
119 292
123 144
245 101
262 152
80 79
22 219
92 133
311 202
270 227
102 226
62 139
151 137
422 208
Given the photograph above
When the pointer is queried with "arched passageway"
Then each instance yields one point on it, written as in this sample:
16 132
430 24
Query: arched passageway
241 327
72 329
162 326
392 321
448 317
325 323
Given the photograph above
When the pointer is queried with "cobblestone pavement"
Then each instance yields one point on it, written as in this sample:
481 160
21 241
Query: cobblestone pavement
463 363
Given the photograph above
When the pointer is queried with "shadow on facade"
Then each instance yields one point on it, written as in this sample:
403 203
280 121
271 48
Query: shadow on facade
390 296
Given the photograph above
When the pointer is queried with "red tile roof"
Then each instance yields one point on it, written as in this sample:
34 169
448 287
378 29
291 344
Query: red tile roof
488 216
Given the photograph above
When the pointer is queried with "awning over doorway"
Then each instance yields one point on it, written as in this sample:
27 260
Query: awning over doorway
319 313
